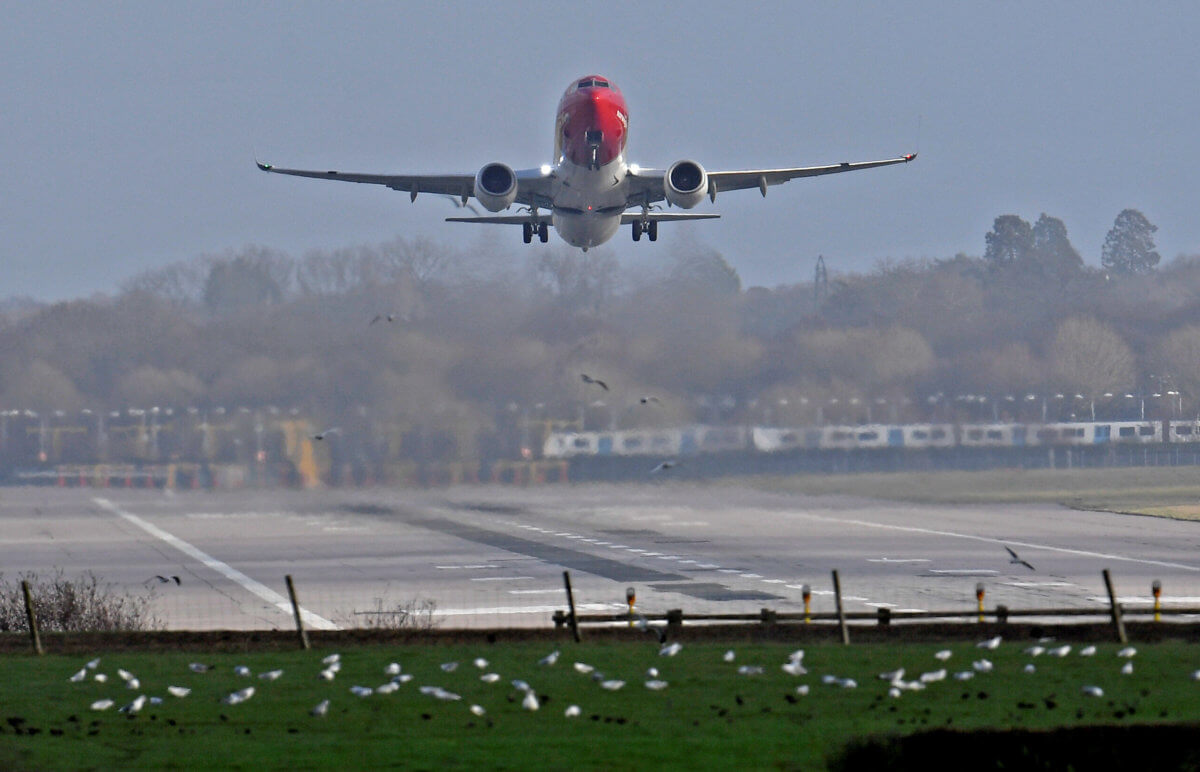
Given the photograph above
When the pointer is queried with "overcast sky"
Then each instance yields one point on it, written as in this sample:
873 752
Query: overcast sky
128 130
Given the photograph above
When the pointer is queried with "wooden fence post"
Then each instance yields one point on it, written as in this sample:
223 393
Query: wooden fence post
837 596
1115 607
296 612
33 628
571 606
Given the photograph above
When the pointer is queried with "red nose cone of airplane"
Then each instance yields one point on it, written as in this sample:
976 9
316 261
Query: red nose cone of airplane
593 122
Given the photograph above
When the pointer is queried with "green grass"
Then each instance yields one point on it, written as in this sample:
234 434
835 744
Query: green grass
708 717
1160 491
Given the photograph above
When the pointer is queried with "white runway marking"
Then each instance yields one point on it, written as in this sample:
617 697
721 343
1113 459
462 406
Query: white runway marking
897 560
989 540
467 568
499 578
229 572
557 590
963 571
470 612
1038 584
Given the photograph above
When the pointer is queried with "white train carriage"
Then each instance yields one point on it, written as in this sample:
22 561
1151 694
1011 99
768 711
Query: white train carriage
1183 431
569 444
718 439
647 442
776 439
874 436
927 435
993 435
1136 432
839 437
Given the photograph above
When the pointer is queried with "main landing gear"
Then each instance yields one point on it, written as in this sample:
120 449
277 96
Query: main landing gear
541 229
650 228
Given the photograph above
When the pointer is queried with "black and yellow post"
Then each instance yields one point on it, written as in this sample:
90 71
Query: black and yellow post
979 597
1156 589
806 593
630 597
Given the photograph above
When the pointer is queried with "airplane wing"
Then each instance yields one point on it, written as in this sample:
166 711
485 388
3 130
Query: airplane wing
647 184
532 184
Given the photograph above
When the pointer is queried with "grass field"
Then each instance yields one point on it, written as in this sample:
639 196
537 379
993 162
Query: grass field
708 716
1159 491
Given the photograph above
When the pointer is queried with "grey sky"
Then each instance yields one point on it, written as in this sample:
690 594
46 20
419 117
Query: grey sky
129 129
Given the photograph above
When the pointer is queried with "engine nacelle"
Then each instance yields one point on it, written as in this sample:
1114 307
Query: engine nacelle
685 184
496 187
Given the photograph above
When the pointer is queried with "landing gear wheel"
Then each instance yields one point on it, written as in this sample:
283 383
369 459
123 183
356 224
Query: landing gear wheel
637 230
527 232
652 230
543 232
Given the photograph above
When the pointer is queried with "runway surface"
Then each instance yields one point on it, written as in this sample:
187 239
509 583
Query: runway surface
494 556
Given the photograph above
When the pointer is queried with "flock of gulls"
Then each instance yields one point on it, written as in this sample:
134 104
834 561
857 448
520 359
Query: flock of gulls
898 682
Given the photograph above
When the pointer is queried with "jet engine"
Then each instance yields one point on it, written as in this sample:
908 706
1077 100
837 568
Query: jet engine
496 187
685 184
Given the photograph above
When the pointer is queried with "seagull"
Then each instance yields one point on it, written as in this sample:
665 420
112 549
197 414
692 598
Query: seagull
662 467
1035 651
241 670
793 667
729 656
361 691
750 670
102 704
1029 668
549 659
383 318
1087 651
101 678
404 678
480 663
326 675
135 706
1093 691
656 685
478 710
490 678
589 379
392 669
892 676
530 702
133 683
1017 559
943 655
179 691
649 400
460 204
1127 652
965 675
322 435
572 711
82 674
332 657
581 667
611 685
196 667
982 666
93 664
449 667
990 643
1127 668
270 675
521 686
933 676
802 689
125 674
652 673
387 688
1060 651
894 692
670 650
321 709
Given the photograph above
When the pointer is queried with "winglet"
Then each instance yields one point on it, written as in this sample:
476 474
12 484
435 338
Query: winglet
907 158
264 166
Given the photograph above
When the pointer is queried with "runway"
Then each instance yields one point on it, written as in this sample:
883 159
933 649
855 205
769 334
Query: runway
484 556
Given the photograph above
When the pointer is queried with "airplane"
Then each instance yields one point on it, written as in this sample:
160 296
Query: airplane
590 190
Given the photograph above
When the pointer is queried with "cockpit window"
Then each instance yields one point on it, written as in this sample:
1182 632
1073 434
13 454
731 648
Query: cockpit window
592 83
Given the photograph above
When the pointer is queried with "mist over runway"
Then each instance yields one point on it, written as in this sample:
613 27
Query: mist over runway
490 556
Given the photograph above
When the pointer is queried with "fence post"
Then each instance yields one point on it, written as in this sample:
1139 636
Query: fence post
33 628
1118 623
571 606
1001 614
884 616
674 621
767 616
296 612
837 597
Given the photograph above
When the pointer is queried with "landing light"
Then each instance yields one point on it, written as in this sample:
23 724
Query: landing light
546 169
634 168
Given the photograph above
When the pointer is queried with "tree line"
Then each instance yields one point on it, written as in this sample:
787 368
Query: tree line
458 354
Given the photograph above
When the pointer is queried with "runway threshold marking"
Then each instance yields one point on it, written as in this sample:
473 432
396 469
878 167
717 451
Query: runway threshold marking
226 570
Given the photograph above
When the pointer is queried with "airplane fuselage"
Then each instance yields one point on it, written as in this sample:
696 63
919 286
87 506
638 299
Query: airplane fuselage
589 191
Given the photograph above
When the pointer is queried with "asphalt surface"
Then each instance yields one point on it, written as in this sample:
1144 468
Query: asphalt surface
483 556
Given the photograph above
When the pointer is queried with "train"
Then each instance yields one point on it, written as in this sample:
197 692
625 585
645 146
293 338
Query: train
701 439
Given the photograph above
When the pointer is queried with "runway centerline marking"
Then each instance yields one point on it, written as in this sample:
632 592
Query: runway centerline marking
226 570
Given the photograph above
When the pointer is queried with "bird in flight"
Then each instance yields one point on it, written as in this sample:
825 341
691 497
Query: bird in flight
649 400
166 580
383 318
1017 559
664 466
326 433
589 379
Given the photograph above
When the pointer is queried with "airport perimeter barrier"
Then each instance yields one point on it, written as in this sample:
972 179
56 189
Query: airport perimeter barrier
192 476
539 601
1116 611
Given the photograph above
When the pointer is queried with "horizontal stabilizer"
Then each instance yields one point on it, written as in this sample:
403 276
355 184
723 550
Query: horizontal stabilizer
628 217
